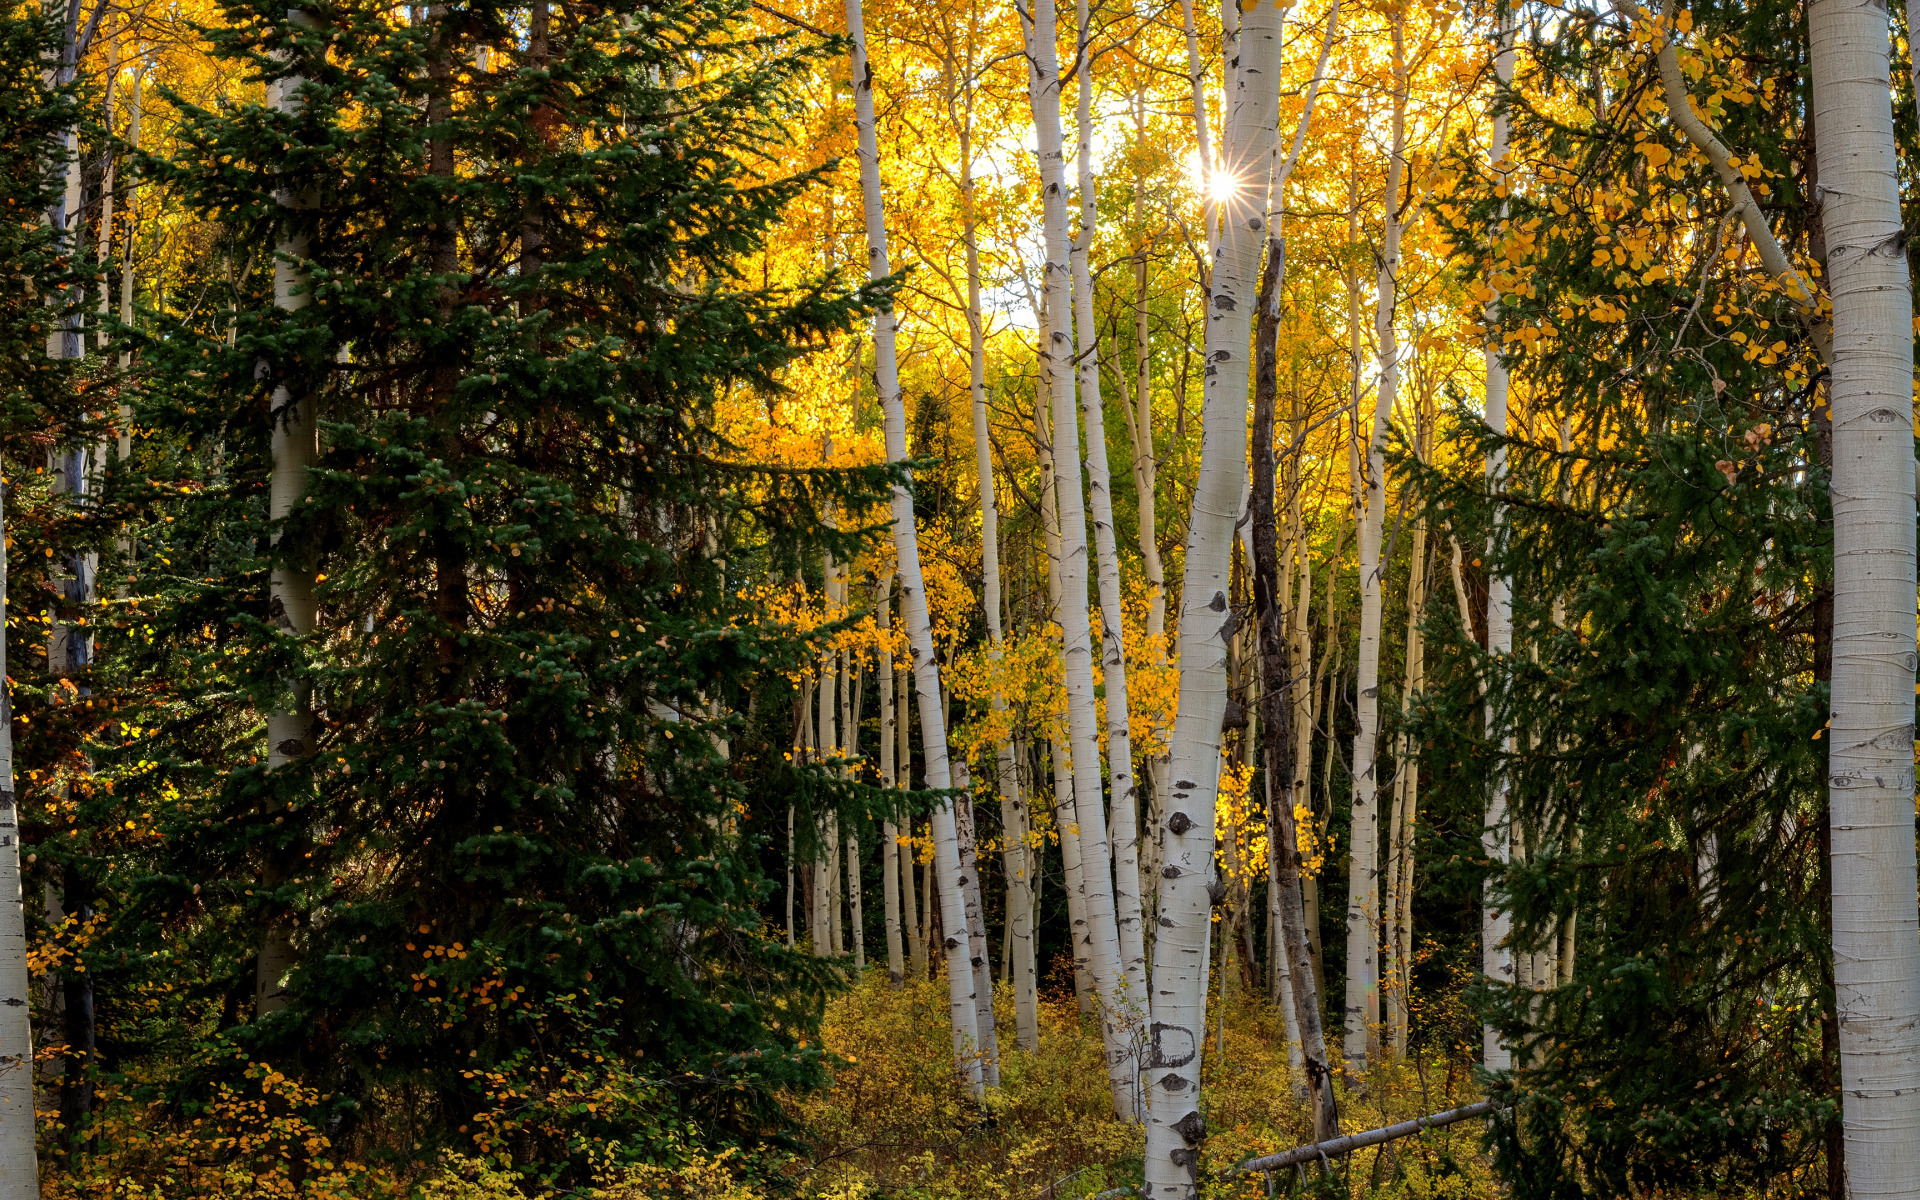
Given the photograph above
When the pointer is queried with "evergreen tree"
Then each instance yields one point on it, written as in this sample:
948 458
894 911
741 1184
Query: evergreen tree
520 899
1667 533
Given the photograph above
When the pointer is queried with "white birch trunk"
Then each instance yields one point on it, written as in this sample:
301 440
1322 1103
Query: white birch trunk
1066 822
290 605
1013 814
1203 139
1495 924
914 930
1406 800
855 918
19 1168
1076 633
1876 929
1176 1127
890 873
1066 825
890 900
906 545
1363 879
970 898
1124 799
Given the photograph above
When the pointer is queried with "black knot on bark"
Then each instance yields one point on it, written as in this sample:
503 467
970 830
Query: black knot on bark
1191 1128
1235 717
1216 892
1179 822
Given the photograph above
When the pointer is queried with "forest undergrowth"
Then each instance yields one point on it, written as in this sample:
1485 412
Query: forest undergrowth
894 1122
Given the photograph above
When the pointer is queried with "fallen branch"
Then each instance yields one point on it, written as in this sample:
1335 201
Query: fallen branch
1336 1147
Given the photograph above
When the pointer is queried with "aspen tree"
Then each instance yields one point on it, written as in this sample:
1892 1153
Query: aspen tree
1876 928
1123 793
1363 877
971 902
960 952
290 606
1202 137
1176 1127
1280 679
1406 795
891 874
19 1168
1076 635
1066 821
1495 925
1014 851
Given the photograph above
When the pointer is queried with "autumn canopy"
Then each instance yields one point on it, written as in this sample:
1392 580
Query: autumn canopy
721 599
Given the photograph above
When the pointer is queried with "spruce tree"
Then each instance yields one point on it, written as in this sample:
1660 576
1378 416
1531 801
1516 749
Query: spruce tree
1671 567
513 860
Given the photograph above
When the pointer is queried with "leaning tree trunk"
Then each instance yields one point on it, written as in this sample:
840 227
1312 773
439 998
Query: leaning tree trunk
1123 794
1176 1127
1076 633
1876 929
960 951
290 604
19 1168
1496 961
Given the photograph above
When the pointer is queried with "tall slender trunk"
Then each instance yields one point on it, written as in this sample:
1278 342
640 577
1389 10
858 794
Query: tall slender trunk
856 920
891 875
1066 826
1279 680
1876 928
1066 822
1076 633
960 951
1013 812
970 899
1495 924
290 603
1406 797
1303 686
109 178
19 1167
134 106
1363 876
1123 793
1176 1126
1203 139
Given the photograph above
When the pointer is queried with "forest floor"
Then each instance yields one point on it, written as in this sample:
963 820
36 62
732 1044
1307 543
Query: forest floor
895 1124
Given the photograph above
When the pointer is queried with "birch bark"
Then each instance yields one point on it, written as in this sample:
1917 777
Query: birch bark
906 545
1066 822
1279 680
1076 634
1495 925
1014 854
19 1168
290 604
1876 928
1176 1127
1363 878
1123 794
1406 798
970 900
890 872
